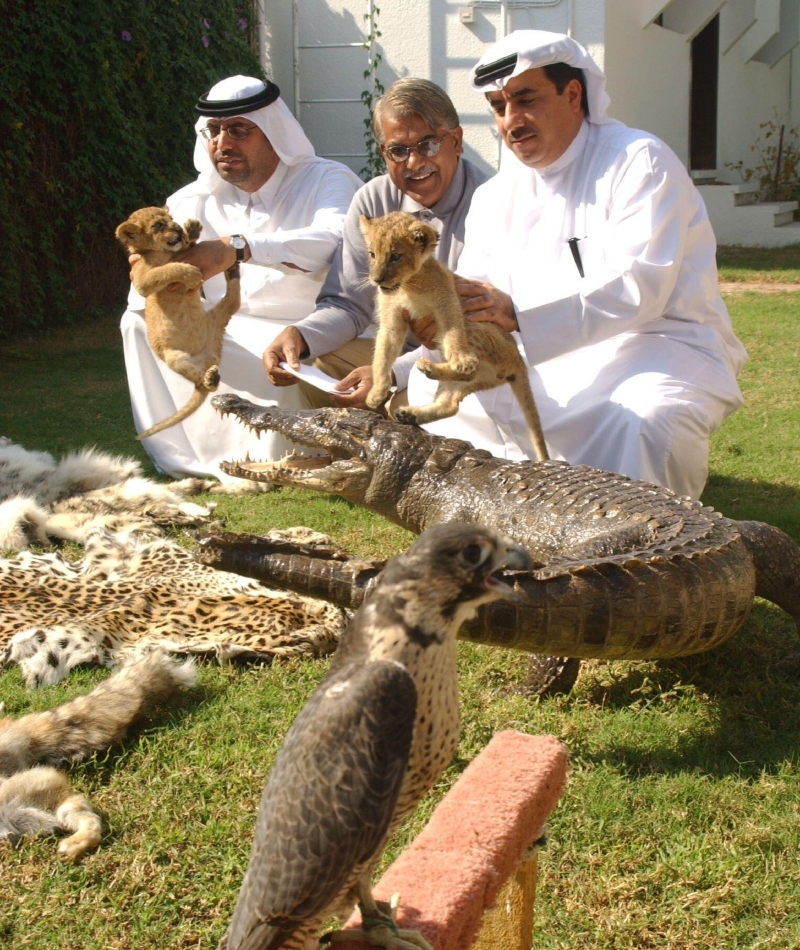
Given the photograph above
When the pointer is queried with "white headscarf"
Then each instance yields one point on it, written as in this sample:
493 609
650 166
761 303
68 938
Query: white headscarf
284 132
535 48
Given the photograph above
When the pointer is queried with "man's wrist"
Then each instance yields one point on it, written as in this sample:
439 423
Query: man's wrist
241 248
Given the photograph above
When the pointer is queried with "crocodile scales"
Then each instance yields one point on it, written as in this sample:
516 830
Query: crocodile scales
624 569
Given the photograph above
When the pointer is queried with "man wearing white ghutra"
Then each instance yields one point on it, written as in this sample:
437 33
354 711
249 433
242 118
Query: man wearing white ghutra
266 200
593 247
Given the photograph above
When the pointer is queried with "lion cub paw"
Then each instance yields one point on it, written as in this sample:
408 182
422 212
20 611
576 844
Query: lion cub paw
427 368
193 229
406 415
193 282
377 397
464 365
211 378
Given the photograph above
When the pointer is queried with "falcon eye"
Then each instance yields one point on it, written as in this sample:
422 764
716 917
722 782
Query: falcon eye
473 554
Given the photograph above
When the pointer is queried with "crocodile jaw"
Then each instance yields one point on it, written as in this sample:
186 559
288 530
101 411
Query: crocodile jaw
347 477
342 472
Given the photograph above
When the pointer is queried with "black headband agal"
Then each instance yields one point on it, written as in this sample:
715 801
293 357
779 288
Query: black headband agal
222 108
496 70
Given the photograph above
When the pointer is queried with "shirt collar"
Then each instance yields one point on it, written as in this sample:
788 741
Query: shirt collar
266 193
574 149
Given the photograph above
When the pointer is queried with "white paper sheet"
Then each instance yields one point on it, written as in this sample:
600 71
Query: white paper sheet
315 377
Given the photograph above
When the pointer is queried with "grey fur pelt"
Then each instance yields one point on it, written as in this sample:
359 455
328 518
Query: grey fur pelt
43 498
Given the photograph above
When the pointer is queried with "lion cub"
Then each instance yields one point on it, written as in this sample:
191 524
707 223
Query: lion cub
180 331
479 355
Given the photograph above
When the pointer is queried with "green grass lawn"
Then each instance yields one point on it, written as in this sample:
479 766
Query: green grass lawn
680 827
767 264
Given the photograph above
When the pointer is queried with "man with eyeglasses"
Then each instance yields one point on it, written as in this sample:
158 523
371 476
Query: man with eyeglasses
417 128
267 201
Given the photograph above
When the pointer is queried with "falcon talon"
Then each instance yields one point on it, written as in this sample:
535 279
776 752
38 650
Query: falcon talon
373 923
390 939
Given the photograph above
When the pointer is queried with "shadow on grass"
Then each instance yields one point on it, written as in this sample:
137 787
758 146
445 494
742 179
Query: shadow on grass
745 500
748 705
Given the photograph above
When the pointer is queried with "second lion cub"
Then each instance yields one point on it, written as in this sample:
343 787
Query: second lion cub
181 332
478 356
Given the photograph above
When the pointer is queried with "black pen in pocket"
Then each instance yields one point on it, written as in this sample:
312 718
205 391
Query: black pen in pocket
576 254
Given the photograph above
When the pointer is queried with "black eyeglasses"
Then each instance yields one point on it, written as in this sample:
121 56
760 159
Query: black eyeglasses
234 131
427 149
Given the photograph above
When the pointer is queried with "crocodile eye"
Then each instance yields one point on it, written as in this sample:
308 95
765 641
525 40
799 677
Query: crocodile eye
473 554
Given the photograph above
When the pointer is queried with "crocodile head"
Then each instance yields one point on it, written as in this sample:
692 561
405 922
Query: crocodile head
369 460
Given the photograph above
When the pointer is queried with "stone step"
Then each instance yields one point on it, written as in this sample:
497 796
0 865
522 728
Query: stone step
738 219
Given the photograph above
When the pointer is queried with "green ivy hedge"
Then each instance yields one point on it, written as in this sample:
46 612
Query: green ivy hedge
96 120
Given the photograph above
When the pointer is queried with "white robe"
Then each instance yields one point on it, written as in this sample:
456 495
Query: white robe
296 217
635 364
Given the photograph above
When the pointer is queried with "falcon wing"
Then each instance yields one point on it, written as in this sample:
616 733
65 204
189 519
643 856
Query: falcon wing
328 801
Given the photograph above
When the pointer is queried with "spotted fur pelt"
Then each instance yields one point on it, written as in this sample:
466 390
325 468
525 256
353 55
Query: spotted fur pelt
41 498
131 593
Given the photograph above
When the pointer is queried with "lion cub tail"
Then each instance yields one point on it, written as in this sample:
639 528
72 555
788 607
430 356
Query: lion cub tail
95 721
521 388
197 399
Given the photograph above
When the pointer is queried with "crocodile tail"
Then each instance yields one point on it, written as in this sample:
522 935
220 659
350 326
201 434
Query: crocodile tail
197 399
521 388
776 558
94 721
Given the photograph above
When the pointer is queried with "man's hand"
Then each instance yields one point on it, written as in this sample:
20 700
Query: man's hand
481 302
177 285
360 381
423 329
287 347
211 257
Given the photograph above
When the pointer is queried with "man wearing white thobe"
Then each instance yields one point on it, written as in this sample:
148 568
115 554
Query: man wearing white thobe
592 246
259 180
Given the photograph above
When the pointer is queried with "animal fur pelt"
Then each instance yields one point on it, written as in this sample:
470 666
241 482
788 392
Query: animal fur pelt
36 798
41 498
131 593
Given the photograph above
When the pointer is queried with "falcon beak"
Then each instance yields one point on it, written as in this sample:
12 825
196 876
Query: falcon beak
511 557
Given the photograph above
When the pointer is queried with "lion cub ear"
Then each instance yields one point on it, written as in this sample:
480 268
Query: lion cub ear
365 224
128 232
425 236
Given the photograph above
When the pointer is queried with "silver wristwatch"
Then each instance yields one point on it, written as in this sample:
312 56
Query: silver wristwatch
238 243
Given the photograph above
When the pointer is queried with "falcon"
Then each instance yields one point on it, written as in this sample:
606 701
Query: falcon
371 741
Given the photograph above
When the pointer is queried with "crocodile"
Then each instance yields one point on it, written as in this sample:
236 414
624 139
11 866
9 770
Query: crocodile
623 569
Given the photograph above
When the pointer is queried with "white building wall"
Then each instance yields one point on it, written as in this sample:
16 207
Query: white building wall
314 50
419 38
648 73
750 93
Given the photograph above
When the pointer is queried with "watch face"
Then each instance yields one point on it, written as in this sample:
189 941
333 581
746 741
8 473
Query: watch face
238 242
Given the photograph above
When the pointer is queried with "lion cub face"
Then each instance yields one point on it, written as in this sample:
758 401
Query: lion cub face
398 245
153 229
